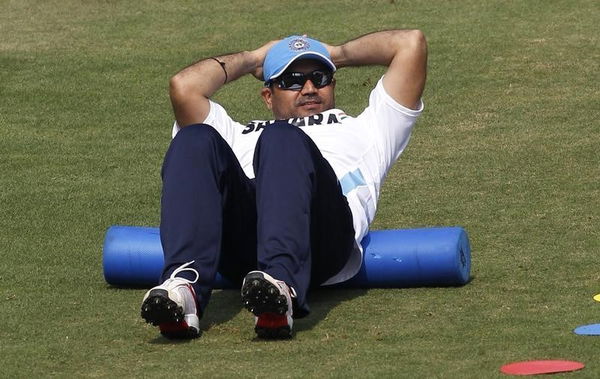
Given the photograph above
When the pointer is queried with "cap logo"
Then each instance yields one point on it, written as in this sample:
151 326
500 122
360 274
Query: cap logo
299 44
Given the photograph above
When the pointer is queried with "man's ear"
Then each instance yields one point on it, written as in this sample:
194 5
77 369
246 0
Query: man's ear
267 96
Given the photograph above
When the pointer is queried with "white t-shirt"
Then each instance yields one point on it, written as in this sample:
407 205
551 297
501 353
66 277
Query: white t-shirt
360 150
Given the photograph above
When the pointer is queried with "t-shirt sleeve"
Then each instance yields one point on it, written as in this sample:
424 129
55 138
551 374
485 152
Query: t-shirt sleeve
217 118
389 122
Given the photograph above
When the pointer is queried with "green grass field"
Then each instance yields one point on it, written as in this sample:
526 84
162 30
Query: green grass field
507 148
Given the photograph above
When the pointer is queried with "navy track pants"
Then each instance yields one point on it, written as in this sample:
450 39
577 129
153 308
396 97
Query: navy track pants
292 221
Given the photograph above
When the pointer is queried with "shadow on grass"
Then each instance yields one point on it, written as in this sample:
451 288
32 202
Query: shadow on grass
322 301
226 304
160 340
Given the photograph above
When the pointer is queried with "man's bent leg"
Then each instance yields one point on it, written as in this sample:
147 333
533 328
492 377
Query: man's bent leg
296 187
206 198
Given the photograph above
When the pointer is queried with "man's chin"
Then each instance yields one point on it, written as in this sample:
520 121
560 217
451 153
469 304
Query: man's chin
303 111
309 110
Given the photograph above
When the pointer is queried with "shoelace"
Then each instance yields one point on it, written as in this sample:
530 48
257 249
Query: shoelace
184 267
292 290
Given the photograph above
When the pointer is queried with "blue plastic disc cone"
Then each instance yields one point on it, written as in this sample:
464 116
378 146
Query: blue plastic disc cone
588 330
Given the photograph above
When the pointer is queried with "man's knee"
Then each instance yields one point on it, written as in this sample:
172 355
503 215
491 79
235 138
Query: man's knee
197 136
285 145
198 142
196 145
281 132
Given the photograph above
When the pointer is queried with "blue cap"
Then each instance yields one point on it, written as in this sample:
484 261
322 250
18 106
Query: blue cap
291 48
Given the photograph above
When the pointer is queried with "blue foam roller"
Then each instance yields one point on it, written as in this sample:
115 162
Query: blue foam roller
133 256
414 257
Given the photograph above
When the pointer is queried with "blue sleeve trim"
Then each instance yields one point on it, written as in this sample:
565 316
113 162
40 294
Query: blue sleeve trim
352 180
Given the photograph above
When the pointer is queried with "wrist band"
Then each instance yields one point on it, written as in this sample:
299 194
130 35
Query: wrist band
222 66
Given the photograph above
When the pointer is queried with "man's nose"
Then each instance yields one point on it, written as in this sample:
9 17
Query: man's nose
308 87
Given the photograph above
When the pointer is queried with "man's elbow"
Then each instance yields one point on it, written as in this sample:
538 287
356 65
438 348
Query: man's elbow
412 40
418 37
411 49
177 87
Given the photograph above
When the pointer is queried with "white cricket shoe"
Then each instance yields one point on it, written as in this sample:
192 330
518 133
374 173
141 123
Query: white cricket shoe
172 306
270 300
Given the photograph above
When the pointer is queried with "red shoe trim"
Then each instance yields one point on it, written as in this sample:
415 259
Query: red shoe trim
170 327
272 321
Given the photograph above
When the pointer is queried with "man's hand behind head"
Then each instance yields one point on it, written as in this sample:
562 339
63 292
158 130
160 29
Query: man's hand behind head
259 58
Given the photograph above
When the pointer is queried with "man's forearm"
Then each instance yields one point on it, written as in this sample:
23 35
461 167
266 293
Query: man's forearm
191 87
378 48
404 52
206 76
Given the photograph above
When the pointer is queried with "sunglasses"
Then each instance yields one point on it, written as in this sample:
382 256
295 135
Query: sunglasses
294 81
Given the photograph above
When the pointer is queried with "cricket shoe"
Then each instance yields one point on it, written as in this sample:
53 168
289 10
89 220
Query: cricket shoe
270 300
172 306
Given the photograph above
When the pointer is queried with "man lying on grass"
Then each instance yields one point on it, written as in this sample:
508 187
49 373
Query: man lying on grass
278 206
